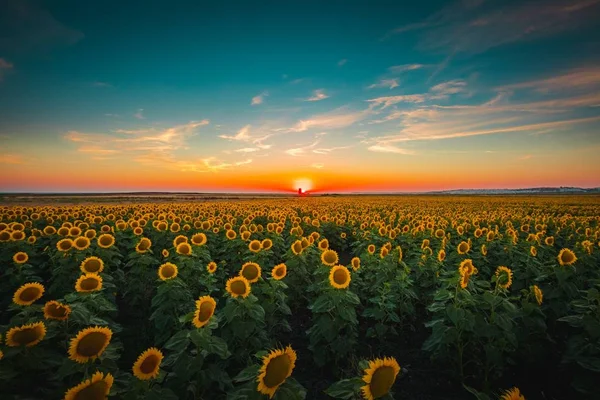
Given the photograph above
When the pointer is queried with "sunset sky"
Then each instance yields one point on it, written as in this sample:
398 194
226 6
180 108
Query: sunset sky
335 96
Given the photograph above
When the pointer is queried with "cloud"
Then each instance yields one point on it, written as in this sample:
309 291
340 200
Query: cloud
297 151
579 78
388 101
397 69
139 114
243 135
443 90
247 150
338 118
318 94
386 148
134 131
317 165
4 67
11 159
258 99
342 62
329 150
385 83
474 26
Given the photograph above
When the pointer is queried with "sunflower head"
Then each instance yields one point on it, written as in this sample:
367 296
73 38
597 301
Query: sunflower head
143 245
106 240
566 257
89 344
64 245
238 287
138 230
27 294
279 272
245 235
92 265
323 244
266 244
276 367
211 267
371 249
17 235
89 282
339 277
379 377
255 246
205 309
533 251
81 243
539 295
167 271
484 250
97 387
55 310
549 241
297 247
230 234
441 255
251 271
463 248
329 257
504 277
184 249
20 258
147 365
384 252
512 394
26 335
199 239
90 234
355 264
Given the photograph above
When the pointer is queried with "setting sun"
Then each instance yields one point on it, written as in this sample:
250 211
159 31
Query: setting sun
303 183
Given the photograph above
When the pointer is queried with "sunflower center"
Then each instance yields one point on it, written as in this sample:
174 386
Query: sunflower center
250 272
330 257
65 245
238 287
382 381
279 272
91 344
57 311
567 257
184 249
30 294
144 245
340 277
206 311
96 391
92 265
255 245
81 242
20 257
26 336
297 247
277 371
89 284
150 364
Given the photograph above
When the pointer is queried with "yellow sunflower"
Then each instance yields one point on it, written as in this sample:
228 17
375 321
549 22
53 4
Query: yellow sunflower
147 366
230 234
251 271
89 344
167 271
81 243
199 239
211 267
138 231
17 235
339 277
297 247
97 388
27 294
205 309
323 244
371 249
55 310
504 277
279 272
238 287
64 245
49 230
441 255
566 257
463 248
400 253
539 295
26 335
484 250
533 251
90 282
355 264
329 257
266 244
379 377
106 240
549 241
184 249
512 394
92 264
276 367
21 257
143 245
255 246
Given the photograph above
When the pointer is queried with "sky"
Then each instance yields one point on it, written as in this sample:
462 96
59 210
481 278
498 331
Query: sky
266 96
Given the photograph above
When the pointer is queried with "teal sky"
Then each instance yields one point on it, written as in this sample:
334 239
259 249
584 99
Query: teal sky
258 96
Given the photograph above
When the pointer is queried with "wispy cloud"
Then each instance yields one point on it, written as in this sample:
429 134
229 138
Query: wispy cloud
11 159
318 94
385 83
338 118
243 135
298 151
139 114
585 78
397 69
318 165
259 98
342 62
443 90
4 67
387 148
388 101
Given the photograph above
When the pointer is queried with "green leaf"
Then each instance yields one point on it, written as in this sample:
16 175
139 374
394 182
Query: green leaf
247 374
179 341
324 303
344 389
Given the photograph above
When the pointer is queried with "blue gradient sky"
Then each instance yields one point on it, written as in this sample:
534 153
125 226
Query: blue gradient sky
341 95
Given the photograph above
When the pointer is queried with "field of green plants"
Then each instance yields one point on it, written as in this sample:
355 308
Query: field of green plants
304 298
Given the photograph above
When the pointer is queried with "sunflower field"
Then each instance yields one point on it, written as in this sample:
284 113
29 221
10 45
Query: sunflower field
408 297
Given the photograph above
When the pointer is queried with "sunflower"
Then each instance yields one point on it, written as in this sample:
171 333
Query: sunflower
439 233
379 377
55 310
463 248
138 231
512 394
266 244
90 234
255 246
504 277
230 234
92 265
484 250
400 253
533 251
441 255
279 272
549 241
371 249
64 245
74 231
238 287
4 236
89 344
251 271
81 243
276 367
199 239
566 257
211 267
355 264
90 282
27 294
167 271
297 247
49 230
21 257
323 244
339 277
17 235
26 335
246 235
143 245
147 365
468 267
106 240
205 309
97 387
537 292
384 252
